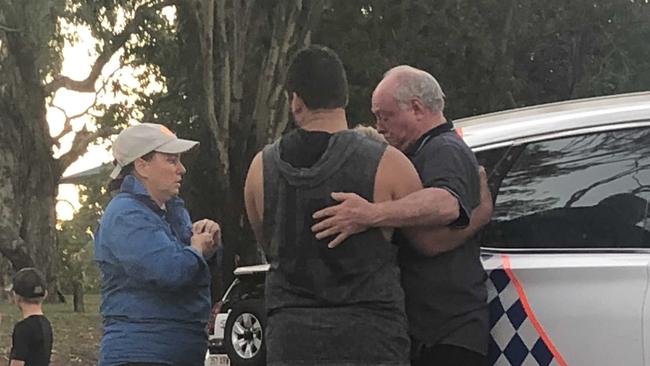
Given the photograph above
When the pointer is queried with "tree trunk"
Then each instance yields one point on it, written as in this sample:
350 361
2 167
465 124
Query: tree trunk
78 297
5 279
28 172
30 62
239 114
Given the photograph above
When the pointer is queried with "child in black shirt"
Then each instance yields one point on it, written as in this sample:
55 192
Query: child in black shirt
32 336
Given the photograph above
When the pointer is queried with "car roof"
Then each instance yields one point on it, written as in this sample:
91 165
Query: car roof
511 125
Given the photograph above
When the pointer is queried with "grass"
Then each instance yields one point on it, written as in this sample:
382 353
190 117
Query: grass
76 335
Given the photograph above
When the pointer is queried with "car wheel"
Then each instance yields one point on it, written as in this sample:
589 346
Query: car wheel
244 334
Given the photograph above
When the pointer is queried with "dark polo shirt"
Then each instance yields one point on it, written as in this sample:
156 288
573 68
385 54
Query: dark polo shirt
446 294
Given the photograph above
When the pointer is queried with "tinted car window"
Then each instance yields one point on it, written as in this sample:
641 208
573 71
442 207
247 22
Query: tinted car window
497 162
575 192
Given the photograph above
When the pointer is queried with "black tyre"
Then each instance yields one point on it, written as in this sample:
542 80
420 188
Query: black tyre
244 334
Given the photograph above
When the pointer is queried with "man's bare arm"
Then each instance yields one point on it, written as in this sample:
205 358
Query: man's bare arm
352 216
395 178
421 207
431 241
254 197
429 206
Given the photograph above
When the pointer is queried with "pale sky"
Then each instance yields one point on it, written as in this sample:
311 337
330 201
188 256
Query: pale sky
77 62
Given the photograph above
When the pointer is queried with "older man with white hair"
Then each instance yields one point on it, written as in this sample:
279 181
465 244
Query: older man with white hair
444 284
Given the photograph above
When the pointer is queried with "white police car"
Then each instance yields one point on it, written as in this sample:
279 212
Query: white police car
568 249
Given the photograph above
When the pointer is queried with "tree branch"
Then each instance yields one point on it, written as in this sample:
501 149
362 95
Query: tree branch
84 137
80 144
9 29
67 124
112 45
13 247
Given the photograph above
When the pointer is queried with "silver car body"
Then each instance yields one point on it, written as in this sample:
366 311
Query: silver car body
584 306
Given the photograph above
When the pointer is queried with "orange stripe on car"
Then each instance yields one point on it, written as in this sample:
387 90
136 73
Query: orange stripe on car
530 313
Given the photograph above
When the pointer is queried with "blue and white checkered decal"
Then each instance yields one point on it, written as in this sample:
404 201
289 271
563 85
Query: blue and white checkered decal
515 340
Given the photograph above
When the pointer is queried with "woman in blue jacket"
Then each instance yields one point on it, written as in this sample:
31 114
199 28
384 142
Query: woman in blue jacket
155 280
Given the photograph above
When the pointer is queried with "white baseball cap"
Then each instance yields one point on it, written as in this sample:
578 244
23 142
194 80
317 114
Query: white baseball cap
139 140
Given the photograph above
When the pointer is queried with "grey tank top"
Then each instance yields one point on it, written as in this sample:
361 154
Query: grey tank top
354 289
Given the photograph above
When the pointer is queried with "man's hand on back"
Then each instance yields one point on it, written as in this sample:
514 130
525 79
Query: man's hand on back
351 216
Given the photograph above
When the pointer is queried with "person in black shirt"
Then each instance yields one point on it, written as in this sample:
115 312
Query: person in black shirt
444 280
32 336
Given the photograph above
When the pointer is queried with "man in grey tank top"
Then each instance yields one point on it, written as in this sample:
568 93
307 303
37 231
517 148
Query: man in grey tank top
443 279
341 306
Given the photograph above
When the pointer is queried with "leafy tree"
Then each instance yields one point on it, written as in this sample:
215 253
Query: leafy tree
31 43
77 272
493 55
223 66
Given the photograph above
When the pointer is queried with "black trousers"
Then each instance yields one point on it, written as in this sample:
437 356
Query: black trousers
448 355
144 364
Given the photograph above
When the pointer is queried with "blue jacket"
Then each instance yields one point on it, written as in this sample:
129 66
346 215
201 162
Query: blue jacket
155 287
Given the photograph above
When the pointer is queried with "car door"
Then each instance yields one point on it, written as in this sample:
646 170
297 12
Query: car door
646 314
568 249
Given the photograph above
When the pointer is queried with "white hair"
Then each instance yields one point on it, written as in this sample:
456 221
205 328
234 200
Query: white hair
416 83
370 132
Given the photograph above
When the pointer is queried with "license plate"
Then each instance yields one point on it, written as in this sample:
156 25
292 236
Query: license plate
218 360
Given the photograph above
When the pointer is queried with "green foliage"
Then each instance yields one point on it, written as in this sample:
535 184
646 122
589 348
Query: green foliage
492 55
75 238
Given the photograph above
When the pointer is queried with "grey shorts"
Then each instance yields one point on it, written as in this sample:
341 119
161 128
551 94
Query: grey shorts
336 337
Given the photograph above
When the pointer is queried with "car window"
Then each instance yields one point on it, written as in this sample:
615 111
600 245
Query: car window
497 162
588 191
